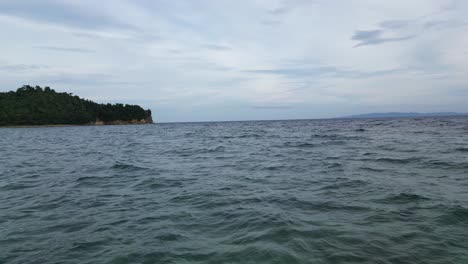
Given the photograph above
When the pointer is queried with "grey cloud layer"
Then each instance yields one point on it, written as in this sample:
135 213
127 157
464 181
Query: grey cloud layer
402 30
64 49
314 72
61 13
374 37
191 60
21 67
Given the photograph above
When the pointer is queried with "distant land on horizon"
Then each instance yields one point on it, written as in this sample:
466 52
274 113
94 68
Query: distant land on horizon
404 114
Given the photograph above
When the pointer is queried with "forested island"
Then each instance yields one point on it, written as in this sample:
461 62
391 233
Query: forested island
30 106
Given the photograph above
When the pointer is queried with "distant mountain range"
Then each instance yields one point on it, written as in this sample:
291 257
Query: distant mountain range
404 114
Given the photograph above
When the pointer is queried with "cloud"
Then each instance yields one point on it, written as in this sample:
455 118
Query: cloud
329 71
272 107
280 10
216 47
62 13
374 37
90 79
443 24
271 22
394 24
63 49
402 30
287 6
21 67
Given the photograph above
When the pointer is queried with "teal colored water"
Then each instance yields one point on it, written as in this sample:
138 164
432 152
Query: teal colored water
309 191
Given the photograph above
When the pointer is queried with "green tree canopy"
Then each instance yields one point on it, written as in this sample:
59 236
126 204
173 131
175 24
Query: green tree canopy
37 106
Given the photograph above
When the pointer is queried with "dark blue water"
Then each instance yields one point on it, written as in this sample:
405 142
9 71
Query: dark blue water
326 191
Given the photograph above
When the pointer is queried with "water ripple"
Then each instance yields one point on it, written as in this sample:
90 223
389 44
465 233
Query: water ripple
305 191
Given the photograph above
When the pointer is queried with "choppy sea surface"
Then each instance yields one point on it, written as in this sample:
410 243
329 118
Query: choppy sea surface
305 191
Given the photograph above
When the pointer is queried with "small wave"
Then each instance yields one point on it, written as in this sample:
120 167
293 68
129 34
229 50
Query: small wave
89 181
154 184
337 137
217 149
398 161
347 184
446 164
463 149
89 246
334 143
86 178
402 198
70 227
169 237
346 257
123 166
274 167
371 169
379 123
454 215
250 136
334 165
16 186
322 206
132 145
299 145
332 206
186 152
330 136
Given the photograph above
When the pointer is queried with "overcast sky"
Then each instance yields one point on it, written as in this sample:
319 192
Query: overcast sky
197 60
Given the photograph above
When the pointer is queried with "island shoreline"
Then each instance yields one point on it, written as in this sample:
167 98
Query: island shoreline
71 125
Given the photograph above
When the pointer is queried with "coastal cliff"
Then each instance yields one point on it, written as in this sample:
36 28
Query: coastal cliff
31 106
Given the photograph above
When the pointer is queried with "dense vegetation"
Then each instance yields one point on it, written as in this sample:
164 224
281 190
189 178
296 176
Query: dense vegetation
37 106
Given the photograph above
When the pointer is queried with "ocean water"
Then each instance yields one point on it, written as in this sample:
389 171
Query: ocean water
307 191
